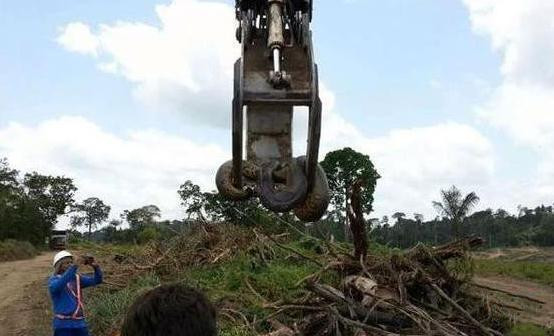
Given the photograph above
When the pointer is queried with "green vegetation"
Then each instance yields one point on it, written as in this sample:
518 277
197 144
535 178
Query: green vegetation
273 281
106 309
101 249
499 228
245 280
540 272
30 206
15 250
528 329
343 167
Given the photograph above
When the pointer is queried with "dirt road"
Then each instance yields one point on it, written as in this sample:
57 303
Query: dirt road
541 314
21 283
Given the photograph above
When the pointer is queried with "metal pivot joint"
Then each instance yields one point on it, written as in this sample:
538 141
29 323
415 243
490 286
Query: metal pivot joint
275 73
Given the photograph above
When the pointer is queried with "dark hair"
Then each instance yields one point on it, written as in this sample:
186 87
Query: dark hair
170 310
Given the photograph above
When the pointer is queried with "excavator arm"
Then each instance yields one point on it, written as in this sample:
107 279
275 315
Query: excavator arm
275 73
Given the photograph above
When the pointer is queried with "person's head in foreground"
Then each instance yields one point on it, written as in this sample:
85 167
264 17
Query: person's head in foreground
170 310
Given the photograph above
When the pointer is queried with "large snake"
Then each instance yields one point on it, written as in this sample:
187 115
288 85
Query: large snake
282 197
225 182
317 200
281 187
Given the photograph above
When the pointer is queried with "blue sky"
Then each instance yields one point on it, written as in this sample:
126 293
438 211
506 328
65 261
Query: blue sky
130 99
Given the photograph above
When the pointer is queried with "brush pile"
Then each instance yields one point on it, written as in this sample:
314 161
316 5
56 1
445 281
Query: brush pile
201 244
419 292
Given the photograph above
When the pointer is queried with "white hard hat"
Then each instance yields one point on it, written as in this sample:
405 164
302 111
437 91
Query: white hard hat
59 256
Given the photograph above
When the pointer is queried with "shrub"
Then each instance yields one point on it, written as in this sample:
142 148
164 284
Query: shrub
15 250
148 234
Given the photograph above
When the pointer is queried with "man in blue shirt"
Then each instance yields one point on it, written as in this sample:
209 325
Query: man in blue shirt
65 287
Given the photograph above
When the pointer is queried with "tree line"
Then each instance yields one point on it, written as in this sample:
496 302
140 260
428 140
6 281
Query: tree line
530 226
30 206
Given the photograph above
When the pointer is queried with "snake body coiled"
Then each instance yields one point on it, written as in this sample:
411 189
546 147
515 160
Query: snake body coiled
317 200
281 187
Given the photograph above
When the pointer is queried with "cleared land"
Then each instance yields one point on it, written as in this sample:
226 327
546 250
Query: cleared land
21 282
23 290
526 271
530 311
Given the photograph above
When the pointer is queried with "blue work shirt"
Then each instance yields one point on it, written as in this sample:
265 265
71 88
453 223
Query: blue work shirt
62 287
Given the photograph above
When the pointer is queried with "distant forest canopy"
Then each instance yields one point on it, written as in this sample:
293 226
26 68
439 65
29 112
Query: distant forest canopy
498 228
30 206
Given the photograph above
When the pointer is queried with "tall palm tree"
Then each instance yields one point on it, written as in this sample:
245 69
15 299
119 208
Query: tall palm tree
455 206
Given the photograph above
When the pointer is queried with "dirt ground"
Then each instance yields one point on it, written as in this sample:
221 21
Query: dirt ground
24 296
541 314
530 254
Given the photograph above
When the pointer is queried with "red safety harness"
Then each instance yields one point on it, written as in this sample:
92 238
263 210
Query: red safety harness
80 307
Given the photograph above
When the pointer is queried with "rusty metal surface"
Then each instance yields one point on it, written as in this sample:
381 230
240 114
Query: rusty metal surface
276 72
269 130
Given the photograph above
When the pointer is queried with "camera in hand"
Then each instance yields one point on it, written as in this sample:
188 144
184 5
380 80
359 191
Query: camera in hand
88 259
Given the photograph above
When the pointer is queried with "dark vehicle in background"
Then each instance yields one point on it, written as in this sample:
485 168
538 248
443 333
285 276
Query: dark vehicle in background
58 240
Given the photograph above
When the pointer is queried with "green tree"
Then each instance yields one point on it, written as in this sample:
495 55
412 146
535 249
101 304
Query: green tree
90 213
418 217
142 217
246 212
398 216
30 208
342 168
53 195
147 234
455 207
8 178
191 198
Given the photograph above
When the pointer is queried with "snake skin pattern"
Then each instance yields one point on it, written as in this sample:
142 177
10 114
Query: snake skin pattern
316 202
281 197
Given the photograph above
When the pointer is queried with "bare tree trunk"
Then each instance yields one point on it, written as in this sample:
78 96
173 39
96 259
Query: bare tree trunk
357 222
347 232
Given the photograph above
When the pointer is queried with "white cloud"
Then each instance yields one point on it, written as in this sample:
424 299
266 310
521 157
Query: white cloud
140 168
185 64
522 31
523 104
526 112
77 37
415 164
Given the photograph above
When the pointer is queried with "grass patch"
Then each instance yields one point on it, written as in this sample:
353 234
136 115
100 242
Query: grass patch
100 250
246 283
528 329
236 331
16 250
226 284
106 309
536 271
